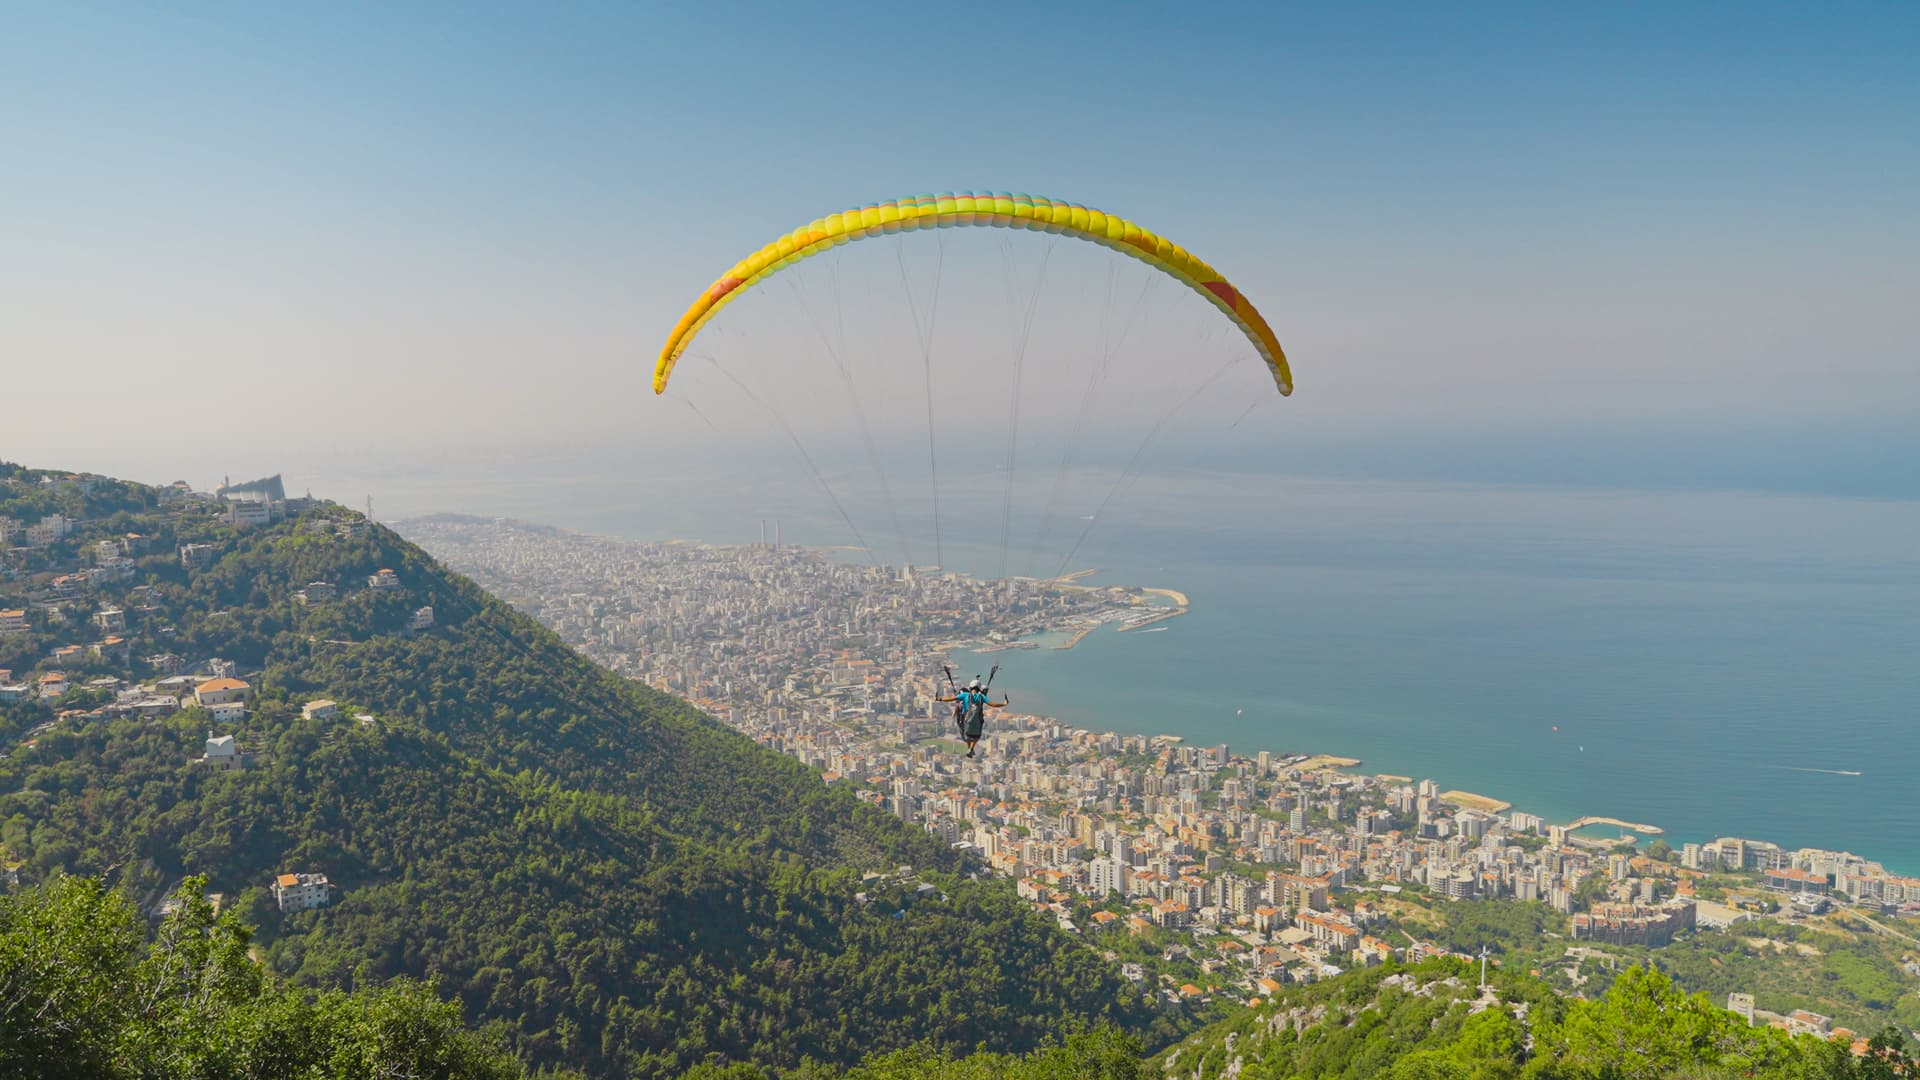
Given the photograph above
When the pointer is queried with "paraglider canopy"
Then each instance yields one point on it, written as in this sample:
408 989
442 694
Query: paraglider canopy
997 209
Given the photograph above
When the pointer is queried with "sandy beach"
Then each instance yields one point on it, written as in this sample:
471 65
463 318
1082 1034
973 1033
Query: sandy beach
1326 761
1486 804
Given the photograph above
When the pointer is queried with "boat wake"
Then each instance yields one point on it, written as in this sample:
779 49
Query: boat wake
1829 772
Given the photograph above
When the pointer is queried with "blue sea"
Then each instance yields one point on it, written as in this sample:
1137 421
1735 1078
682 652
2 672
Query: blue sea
1685 659
1710 661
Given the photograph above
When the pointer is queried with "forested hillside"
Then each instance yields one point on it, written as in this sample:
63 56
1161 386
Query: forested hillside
1433 1021
84 992
618 882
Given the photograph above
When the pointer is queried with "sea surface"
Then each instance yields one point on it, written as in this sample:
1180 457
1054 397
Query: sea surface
1714 662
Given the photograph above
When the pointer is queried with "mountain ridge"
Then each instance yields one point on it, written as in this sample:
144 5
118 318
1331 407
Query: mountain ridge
619 882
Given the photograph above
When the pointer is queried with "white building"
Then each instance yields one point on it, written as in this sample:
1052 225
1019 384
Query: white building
1107 875
302 892
250 513
385 579
316 592
228 712
319 710
221 753
52 527
422 619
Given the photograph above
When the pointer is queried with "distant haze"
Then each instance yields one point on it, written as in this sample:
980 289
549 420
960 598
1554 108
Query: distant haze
415 231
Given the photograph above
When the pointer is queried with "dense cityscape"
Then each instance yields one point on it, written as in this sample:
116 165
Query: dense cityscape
840 665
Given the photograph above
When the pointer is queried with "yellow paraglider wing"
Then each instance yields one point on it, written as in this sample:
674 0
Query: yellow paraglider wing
977 208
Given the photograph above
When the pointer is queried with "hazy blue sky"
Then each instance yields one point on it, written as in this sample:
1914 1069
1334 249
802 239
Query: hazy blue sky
363 225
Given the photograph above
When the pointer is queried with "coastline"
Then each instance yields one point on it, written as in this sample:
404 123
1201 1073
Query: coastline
1076 638
1163 616
1273 720
1486 804
1327 761
1635 826
1179 604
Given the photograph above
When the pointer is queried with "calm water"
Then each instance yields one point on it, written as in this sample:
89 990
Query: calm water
1698 651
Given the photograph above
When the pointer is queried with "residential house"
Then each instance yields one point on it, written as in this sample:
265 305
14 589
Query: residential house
1372 951
166 663
115 569
111 620
1804 1022
316 592
178 685
1634 924
385 579
220 692
1335 934
421 620
301 892
150 706
228 712
1794 880
52 685
14 621
319 710
196 555
112 649
51 528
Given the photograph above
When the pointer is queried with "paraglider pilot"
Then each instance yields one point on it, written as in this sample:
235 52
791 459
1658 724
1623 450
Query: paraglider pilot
970 711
